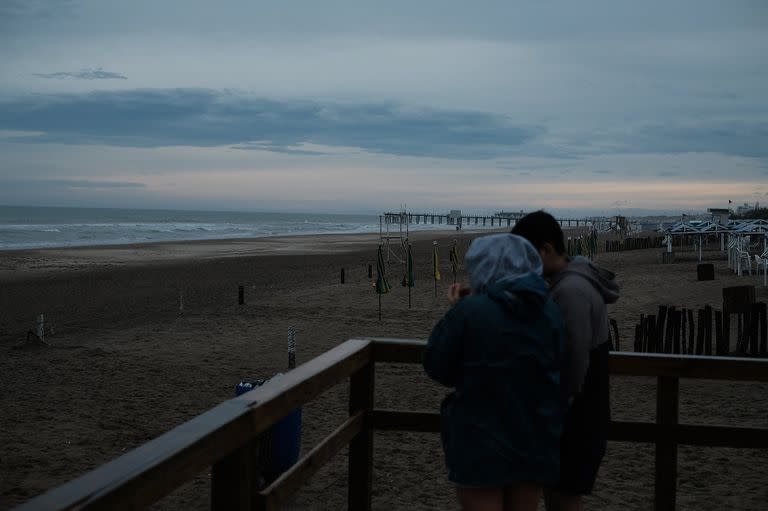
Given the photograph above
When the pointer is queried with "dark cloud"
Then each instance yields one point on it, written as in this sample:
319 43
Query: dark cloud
84 74
735 138
206 118
256 146
15 15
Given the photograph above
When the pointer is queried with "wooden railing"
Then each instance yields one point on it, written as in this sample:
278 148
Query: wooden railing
224 437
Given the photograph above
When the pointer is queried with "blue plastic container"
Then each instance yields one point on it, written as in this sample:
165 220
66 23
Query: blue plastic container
284 438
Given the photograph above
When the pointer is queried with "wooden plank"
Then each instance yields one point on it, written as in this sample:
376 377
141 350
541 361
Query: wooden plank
233 480
147 473
721 436
360 485
754 330
764 330
406 351
289 482
651 330
621 363
700 333
689 366
720 348
691 330
708 330
683 337
667 406
620 431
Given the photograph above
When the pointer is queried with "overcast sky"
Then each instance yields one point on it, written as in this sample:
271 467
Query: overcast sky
361 106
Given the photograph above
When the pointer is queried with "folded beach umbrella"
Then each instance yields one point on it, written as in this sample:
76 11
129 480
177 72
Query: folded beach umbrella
435 264
382 286
454 261
410 279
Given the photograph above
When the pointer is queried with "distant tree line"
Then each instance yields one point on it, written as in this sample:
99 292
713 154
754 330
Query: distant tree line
759 213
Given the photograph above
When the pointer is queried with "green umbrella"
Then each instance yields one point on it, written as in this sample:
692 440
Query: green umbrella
382 286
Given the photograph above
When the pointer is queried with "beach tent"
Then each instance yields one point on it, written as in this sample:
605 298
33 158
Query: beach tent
699 229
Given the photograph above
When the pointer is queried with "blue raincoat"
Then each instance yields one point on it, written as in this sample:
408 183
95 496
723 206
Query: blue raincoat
501 349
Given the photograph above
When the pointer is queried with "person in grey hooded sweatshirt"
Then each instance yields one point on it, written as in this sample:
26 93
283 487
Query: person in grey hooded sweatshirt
581 290
500 349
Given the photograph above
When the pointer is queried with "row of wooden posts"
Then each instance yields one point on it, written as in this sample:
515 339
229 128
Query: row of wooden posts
674 330
633 243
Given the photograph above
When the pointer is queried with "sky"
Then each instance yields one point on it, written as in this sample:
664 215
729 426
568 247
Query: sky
344 105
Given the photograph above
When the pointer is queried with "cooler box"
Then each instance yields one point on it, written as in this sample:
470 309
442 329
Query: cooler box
279 446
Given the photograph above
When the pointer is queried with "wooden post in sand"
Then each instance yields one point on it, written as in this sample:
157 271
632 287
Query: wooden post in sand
240 295
40 327
700 333
708 330
370 271
691 331
342 275
667 406
720 348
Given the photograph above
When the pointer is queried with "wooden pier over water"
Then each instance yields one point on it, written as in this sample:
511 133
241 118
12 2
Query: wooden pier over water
498 220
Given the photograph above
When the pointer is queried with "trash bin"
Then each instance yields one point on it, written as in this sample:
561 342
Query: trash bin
278 447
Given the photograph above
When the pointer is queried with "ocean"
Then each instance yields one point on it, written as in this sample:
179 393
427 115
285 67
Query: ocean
25 227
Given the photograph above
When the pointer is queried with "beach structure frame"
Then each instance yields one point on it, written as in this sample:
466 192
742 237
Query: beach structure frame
224 437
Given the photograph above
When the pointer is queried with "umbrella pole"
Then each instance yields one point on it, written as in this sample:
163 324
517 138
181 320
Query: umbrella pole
379 307
409 297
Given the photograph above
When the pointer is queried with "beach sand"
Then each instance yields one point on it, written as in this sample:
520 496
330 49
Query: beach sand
124 365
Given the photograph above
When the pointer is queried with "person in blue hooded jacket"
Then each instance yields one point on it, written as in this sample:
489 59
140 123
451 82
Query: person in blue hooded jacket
500 348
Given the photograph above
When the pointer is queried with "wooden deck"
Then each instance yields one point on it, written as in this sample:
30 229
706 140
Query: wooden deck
224 436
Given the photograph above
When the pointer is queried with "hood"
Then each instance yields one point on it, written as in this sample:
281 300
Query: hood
491 259
600 278
521 291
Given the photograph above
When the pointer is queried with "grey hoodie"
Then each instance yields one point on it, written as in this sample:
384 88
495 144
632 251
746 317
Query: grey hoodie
582 291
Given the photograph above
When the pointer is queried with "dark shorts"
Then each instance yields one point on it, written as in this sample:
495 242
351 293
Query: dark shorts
585 431
580 458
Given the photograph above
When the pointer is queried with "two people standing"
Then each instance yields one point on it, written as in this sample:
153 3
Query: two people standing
529 364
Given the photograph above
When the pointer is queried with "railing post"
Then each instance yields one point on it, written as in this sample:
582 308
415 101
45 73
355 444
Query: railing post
667 405
361 447
233 480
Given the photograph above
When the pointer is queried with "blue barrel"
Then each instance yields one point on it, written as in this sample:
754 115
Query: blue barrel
283 438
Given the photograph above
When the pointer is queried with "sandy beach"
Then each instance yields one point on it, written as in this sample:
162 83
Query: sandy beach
126 364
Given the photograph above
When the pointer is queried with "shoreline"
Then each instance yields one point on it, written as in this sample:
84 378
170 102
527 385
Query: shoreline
19 264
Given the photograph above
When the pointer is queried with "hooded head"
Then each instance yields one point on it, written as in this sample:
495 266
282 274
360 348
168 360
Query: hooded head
497 257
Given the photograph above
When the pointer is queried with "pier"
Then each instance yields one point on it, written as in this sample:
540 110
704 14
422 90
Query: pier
395 226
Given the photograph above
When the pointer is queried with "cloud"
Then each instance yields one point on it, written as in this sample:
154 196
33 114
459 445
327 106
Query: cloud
72 184
735 138
84 74
206 118
260 146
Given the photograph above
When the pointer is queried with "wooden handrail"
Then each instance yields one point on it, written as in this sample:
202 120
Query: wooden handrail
144 475
224 436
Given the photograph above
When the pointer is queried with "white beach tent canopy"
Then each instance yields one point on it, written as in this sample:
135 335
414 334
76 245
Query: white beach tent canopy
748 227
698 228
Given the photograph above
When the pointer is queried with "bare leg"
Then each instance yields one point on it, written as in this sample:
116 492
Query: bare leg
481 499
522 497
